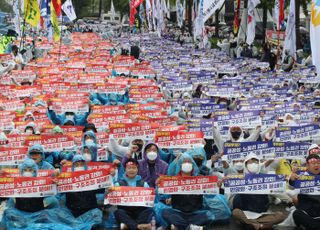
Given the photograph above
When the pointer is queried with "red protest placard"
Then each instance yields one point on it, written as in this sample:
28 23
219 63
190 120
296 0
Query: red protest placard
84 180
14 172
27 187
111 88
16 140
108 109
188 185
179 139
104 120
91 166
76 105
130 196
51 143
149 113
133 130
11 105
12 156
70 94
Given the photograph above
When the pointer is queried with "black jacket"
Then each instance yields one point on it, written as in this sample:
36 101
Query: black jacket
250 202
187 203
81 202
30 204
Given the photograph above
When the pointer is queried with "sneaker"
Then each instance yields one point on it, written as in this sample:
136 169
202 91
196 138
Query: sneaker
195 227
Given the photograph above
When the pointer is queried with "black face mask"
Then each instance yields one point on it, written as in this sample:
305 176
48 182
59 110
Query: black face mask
198 161
235 135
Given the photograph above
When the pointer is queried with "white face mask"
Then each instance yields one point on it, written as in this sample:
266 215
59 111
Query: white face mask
81 168
27 174
152 155
29 131
87 157
89 142
69 117
176 95
238 166
186 167
253 168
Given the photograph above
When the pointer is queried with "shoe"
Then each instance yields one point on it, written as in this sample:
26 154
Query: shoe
195 227
123 226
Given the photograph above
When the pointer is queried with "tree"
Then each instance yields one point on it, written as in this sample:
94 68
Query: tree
5 7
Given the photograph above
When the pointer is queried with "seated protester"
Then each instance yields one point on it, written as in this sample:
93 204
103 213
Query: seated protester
28 116
245 205
307 213
27 211
89 127
89 153
109 99
17 58
187 210
236 134
134 149
132 217
89 138
81 202
151 166
288 61
68 118
31 129
199 157
37 154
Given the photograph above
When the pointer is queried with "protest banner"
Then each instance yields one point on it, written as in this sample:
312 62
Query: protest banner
308 184
179 139
12 156
133 130
108 109
239 150
14 172
130 196
188 185
298 133
27 187
60 105
291 150
86 180
105 120
91 166
255 184
51 143
244 119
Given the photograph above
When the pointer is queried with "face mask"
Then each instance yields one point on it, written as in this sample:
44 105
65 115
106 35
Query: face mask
238 166
29 131
27 174
81 168
113 102
235 135
198 161
152 155
69 117
176 95
89 142
186 167
253 168
87 157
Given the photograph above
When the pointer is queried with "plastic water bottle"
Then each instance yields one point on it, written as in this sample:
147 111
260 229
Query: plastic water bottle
153 223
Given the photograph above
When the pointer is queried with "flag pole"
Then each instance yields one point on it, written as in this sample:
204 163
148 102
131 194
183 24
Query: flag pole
24 27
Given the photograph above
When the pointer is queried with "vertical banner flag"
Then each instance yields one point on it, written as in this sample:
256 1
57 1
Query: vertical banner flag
209 7
112 10
133 5
149 13
279 13
315 33
290 39
16 10
55 25
236 20
251 29
243 26
68 9
57 6
32 12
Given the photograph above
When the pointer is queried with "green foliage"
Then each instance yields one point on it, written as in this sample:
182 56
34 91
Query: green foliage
5 7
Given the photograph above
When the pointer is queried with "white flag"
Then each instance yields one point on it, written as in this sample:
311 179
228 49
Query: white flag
315 33
168 9
243 27
112 10
290 39
251 29
210 7
16 19
68 9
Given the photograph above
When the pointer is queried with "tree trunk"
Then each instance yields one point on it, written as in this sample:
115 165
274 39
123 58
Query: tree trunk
190 3
298 37
217 23
264 23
